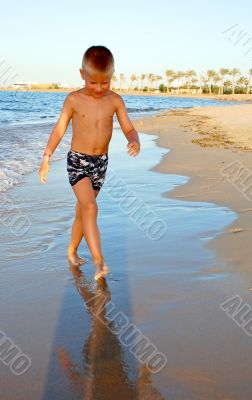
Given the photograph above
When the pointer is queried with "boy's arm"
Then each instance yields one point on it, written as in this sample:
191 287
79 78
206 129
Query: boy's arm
60 127
127 127
55 137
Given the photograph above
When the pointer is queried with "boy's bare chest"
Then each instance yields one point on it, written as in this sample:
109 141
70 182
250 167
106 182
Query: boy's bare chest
94 113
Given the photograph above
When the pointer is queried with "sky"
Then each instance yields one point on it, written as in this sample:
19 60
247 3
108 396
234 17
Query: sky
45 41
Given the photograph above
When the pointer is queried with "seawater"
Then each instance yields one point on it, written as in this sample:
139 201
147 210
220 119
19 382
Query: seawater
27 118
130 198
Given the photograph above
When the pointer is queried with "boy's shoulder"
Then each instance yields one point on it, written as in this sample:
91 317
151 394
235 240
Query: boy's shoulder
77 93
70 96
116 95
117 98
73 94
73 98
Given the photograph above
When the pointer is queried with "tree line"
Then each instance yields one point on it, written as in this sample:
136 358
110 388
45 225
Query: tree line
222 81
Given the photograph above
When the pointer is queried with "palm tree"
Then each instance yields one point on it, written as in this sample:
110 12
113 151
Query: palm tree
133 78
234 72
142 77
170 76
217 79
150 79
194 81
138 86
189 75
153 80
202 81
121 80
113 80
249 80
243 81
223 72
178 76
228 84
211 75
158 78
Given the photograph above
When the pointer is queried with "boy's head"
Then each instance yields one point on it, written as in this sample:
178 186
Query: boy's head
99 59
97 69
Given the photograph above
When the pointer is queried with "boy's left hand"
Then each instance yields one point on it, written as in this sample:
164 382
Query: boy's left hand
133 148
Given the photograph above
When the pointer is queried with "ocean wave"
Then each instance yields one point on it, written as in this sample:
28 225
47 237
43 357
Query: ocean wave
139 110
21 152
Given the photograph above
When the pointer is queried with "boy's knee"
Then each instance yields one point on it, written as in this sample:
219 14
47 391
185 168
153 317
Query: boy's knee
90 206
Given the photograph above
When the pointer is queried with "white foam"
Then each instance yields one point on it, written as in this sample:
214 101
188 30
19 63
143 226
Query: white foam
21 152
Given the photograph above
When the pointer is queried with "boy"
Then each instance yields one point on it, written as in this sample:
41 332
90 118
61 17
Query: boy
91 110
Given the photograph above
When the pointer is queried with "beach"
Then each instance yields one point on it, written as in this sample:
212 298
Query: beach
170 283
206 167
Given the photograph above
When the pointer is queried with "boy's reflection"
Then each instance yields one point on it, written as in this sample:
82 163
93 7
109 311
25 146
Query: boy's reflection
105 372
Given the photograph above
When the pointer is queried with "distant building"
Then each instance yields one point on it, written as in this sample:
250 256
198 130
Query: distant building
53 85
37 85
186 91
64 85
20 84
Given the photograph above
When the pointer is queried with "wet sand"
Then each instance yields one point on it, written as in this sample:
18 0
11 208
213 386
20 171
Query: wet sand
170 287
225 133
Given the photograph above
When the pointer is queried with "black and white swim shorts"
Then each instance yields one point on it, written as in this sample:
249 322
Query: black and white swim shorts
80 165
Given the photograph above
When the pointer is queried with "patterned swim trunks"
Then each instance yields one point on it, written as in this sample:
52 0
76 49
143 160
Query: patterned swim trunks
80 165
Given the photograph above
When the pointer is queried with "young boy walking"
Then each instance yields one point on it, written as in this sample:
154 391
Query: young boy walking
91 110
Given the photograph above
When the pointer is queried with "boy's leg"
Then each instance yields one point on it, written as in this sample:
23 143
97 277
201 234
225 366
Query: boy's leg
89 211
77 235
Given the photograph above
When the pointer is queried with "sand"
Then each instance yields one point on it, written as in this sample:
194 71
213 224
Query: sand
225 133
234 123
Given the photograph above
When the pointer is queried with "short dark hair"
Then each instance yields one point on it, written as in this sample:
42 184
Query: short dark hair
99 58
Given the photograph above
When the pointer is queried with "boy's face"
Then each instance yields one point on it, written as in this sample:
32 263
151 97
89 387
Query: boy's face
96 83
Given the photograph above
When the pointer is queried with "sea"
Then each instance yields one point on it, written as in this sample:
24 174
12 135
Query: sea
27 118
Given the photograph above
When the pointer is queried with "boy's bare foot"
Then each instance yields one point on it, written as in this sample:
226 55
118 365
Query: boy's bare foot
105 269
81 260
101 269
74 258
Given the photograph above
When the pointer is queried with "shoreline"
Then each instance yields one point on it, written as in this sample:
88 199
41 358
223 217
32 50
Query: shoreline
176 130
224 97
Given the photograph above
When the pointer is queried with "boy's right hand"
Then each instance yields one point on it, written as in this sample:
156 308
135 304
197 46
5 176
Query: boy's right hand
43 171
